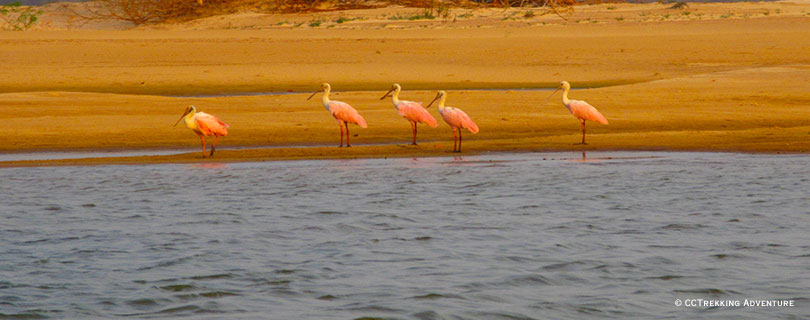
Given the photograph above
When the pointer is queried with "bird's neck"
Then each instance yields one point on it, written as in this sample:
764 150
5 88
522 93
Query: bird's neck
565 99
395 97
325 98
440 106
189 118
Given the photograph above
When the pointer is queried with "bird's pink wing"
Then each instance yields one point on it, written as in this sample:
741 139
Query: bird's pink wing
344 112
415 112
209 125
583 110
457 118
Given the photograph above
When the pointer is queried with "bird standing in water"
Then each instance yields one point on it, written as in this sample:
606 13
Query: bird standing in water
411 111
204 125
579 109
456 118
341 111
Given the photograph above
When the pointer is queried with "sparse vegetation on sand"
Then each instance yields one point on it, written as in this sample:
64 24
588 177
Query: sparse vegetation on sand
679 5
18 17
140 12
344 19
426 14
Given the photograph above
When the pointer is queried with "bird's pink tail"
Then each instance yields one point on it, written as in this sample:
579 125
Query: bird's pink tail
361 122
470 125
600 118
430 120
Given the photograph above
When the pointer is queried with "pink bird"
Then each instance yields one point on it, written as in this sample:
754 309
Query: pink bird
580 109
343 112
204 125
456 118
412 111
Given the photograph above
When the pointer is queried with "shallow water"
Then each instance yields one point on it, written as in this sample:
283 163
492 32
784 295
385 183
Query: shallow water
57 155
504 236
276 93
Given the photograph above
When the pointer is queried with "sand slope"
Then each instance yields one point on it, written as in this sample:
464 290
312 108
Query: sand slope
702 84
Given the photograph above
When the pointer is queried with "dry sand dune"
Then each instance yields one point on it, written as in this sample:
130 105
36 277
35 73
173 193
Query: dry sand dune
709 83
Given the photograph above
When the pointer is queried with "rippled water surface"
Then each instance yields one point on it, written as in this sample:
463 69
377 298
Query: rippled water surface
505 236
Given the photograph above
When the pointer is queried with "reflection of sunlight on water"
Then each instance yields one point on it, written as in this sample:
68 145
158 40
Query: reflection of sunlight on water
347 163
426 162
216 165
458 161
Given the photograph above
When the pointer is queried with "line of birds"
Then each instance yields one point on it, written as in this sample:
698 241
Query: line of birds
206 125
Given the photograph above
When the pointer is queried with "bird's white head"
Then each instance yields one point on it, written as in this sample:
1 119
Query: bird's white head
565 87
395 88
441 95
189 109
325 88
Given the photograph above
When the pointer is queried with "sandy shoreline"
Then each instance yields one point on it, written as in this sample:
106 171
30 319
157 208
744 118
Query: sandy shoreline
704 84
426 149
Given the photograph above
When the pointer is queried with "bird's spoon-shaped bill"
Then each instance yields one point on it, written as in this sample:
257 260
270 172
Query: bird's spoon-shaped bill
386 94
552 94
181 117
434 100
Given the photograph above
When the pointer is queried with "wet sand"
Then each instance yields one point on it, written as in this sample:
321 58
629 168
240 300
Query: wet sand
708 84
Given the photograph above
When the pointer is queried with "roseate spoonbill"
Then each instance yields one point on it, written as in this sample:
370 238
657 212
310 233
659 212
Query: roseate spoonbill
580 109
412 111
343 112
455 118
204 125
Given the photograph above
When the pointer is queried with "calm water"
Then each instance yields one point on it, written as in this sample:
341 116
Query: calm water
503 236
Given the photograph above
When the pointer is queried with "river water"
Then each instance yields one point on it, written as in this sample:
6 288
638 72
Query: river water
496 236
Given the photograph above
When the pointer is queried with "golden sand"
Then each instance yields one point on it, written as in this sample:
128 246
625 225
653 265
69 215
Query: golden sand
704 84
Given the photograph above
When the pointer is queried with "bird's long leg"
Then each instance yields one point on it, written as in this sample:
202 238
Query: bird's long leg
583 132
455 139
413 125
341 134
347 134
202 138
212 146
459 140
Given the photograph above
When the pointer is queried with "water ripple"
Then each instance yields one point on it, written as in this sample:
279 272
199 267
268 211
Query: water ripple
524 236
